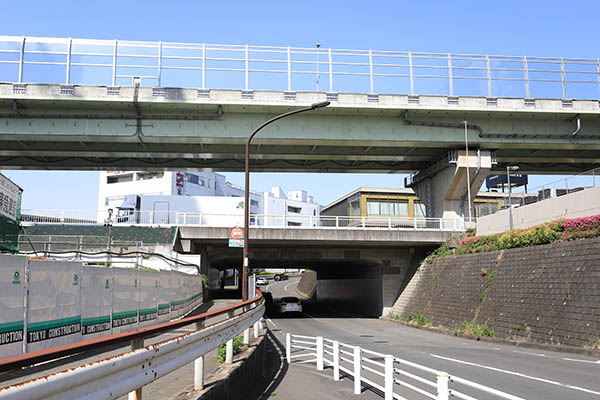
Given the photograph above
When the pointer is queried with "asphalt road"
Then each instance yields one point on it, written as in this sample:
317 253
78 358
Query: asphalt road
531 374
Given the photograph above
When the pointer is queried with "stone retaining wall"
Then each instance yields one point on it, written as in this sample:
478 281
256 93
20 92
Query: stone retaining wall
543 294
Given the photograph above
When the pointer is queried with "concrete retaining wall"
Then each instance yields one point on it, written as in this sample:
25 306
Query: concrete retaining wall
544 294
236 381
573 205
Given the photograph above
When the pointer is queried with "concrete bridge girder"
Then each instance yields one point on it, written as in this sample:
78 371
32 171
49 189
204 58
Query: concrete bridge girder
93 130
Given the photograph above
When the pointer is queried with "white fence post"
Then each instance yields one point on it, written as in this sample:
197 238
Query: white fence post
389 377
247 336
320 353
389 222
288 347
256 329
229 351
442 386
336 360
199 373
357 369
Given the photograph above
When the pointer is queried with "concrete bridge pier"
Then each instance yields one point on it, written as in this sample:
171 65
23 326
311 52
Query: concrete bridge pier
442 185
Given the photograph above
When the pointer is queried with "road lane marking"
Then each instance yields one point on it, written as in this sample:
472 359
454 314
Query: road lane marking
517 374
288 285
583 361
529 353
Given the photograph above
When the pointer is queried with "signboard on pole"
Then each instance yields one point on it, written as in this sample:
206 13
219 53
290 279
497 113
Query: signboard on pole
236 237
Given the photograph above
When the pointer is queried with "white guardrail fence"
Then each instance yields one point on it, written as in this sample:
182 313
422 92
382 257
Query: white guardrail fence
394 377
175 218
128 372
116 63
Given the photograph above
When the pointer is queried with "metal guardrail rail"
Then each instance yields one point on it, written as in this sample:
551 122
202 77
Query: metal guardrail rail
289 221
383 372
114 63
130 371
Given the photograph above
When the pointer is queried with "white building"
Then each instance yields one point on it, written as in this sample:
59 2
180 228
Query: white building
168 192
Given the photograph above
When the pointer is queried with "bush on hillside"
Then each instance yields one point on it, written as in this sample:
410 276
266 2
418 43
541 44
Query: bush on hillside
563 229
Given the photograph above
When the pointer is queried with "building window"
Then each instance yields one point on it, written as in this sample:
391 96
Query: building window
387 208
296 210
253 203
419 210
290 223
142 176
119 178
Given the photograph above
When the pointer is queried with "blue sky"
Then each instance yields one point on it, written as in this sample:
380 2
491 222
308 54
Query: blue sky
541 28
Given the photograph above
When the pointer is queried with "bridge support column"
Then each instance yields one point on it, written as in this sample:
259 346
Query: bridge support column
442 186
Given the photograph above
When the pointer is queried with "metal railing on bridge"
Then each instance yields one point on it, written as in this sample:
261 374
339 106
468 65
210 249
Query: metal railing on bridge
394 377
290 221
117 63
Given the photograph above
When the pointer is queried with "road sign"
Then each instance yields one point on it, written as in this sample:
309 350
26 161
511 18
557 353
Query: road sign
236 242
236 233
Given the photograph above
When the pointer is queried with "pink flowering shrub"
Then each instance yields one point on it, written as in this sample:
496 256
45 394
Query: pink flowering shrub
581 224
562 229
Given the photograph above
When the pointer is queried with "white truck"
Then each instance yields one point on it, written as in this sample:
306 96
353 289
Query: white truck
181 210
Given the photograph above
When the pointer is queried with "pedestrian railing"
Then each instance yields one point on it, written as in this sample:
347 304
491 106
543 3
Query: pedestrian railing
128 372
394 377
290 221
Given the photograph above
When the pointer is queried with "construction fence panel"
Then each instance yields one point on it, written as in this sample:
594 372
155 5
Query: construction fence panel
96 288
149 291
13 290
164 296
176 295
54 312
125 300
69 302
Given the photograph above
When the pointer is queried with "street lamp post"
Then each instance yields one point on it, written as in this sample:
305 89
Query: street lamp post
247 188
510 216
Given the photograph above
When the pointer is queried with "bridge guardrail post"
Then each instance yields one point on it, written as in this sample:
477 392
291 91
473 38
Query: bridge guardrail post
229 351
288 347
199 373
442 386
256 329
389 222
389 377
320 353
137 343
336 360
357 369
247 336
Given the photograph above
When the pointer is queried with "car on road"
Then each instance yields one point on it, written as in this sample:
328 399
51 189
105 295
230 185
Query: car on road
281 277
262 281
289 304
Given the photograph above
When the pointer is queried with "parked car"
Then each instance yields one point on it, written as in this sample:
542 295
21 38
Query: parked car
289 304
262 281
281 277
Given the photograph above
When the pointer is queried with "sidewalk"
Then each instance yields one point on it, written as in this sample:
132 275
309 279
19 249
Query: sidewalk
302 381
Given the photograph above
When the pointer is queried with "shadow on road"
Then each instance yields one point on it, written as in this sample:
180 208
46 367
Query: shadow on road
276 369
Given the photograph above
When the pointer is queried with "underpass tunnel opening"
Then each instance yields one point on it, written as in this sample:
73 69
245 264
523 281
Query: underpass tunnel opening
352 287
363 281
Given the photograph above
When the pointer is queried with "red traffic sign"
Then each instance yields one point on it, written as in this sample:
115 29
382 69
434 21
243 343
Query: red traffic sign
236 233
